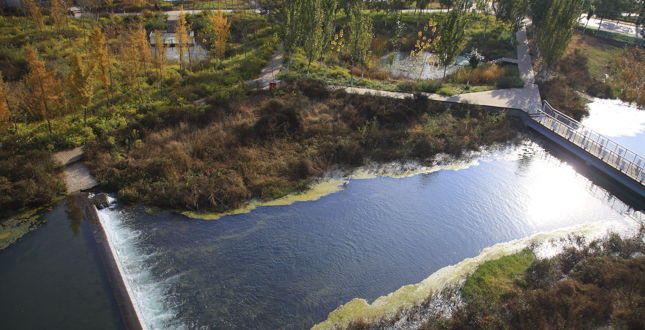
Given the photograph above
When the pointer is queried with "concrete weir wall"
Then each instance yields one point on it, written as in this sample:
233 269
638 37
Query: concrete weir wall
128 313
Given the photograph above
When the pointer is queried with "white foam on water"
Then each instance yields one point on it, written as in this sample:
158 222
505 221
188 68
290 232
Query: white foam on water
154 307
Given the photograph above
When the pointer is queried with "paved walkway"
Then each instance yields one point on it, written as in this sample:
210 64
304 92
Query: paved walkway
268 73
513 98
77 175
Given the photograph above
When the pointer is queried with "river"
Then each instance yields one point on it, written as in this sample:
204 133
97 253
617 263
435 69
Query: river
288 267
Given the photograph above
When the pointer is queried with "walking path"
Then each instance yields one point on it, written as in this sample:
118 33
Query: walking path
77 175
512 98
268 73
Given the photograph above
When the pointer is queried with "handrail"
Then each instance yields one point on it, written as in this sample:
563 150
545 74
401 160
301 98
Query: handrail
598 145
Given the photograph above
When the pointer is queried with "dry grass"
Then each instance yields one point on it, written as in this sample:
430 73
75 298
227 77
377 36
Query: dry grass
264 147
487 74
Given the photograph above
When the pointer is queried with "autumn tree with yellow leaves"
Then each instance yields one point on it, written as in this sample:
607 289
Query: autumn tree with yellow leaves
58 14
135 56
42 89
219 26
80 83
99 55
4 107
182 42
426 42
36 15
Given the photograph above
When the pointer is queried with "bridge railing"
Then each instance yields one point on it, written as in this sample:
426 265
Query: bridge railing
596 144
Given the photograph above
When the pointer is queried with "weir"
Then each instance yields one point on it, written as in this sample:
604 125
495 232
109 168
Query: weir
611 158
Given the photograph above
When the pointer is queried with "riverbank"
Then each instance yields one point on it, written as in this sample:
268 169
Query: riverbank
266 147
564 277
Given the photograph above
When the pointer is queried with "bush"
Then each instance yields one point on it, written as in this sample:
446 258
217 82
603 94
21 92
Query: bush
427 86
510 82
446 91
30 180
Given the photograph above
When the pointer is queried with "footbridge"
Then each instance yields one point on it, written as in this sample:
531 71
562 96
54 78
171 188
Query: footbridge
613 159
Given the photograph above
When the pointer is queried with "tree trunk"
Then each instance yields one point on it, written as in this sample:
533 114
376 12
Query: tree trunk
599 25
362 66
485 26
444 74
351 74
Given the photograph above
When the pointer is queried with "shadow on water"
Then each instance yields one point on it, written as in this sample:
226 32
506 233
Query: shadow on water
53 277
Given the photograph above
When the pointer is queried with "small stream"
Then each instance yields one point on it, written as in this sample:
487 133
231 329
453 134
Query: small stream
405 66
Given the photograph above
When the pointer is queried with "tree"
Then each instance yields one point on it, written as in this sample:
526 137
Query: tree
313 18
160 58
557 30
421 5
99 55
630 75
485 7
589 16
79 83
36 15
182 43
329 40
42 89
58 14
360 35
452 39
219 26
473 62
538 10
426 42
289 27
513 13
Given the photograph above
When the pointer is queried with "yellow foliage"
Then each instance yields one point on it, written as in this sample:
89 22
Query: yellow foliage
483 75
220 27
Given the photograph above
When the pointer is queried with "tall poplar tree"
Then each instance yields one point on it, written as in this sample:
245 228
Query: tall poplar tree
557 30
312 17
289 27
360 35
451 40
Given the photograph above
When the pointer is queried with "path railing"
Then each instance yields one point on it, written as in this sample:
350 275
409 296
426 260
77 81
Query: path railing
596 144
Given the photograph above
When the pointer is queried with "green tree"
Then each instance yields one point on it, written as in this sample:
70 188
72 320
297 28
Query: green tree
289 27
312 17
451 40
360 35
512 12
557 30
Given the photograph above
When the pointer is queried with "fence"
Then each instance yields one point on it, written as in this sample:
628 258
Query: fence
610 152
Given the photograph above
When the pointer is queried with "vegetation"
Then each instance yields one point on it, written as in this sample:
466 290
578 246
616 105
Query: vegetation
215 158
595 285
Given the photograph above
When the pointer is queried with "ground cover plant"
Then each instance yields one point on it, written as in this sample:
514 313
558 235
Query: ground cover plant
216 158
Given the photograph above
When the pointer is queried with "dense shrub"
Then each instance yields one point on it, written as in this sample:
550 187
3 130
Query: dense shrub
217 156
30 180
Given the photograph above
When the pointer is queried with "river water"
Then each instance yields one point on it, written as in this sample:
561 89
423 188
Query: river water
287 267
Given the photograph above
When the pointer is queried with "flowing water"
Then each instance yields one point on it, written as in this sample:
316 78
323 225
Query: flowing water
287 267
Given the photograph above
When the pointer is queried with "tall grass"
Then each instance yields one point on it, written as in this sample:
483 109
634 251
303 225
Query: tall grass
217 158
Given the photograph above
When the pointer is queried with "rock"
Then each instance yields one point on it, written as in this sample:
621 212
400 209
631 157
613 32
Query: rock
101 201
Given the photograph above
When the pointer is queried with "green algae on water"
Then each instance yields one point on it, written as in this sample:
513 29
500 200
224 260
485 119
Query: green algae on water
16 227
315 192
